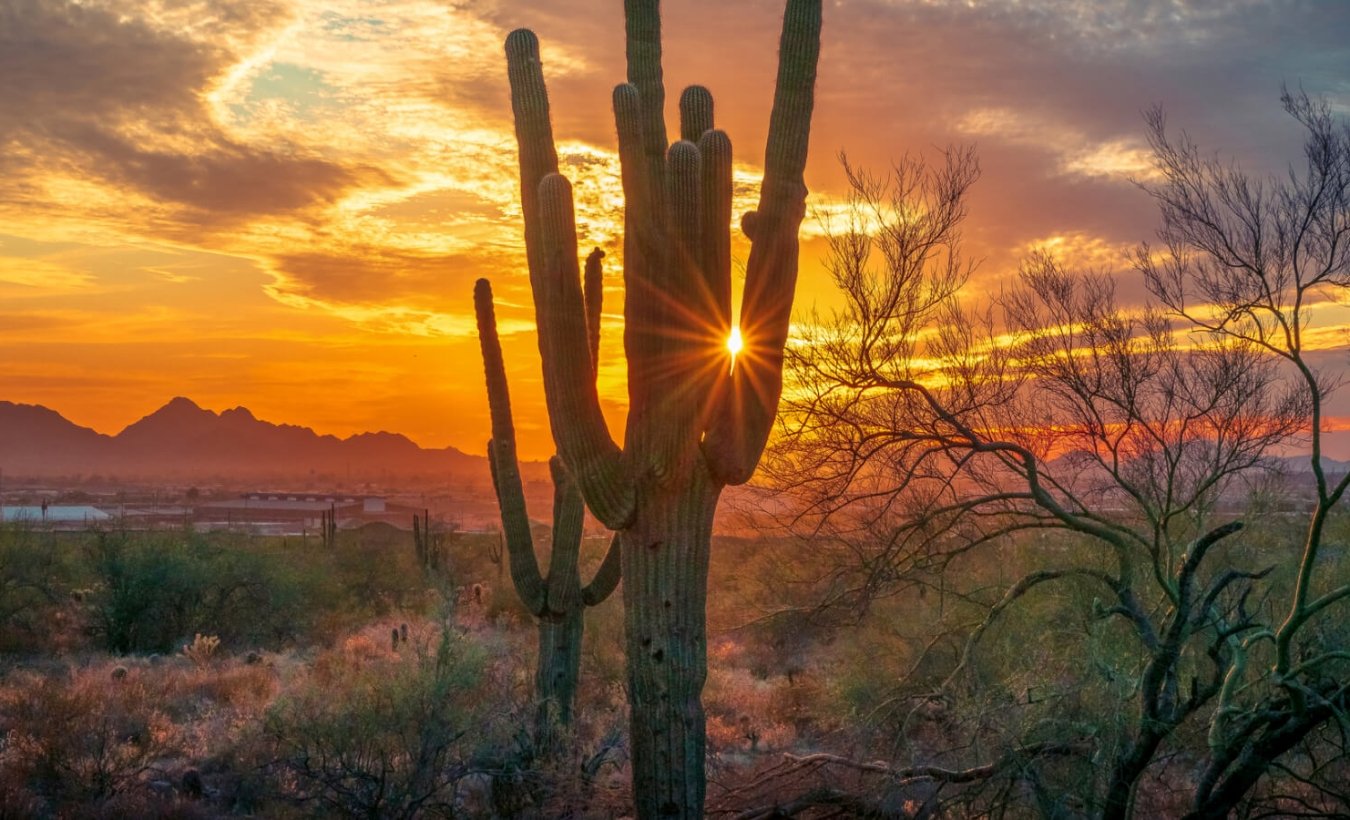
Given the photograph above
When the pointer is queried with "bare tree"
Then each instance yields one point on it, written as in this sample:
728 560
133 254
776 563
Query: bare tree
1249 259
919 431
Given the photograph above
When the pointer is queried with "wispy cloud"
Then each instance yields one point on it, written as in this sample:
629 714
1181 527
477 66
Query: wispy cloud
1075 152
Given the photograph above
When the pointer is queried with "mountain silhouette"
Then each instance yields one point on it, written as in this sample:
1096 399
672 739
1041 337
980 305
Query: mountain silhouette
183 440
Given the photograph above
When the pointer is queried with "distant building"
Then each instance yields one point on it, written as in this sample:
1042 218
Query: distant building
53 514
296 513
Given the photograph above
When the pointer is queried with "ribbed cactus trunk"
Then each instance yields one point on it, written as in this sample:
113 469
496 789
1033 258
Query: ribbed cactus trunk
665 565
697 421
558 671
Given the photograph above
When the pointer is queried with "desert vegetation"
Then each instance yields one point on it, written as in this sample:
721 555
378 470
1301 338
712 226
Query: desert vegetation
1054 554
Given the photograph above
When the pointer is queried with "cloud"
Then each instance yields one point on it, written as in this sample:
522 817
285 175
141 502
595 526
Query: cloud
95 92
20 277
1120 159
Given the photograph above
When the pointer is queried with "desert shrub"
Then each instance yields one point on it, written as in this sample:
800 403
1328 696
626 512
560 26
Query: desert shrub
746 710
376 579
155 591
376 733
80 739
35 571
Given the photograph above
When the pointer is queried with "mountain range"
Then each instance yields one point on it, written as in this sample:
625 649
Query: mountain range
184 441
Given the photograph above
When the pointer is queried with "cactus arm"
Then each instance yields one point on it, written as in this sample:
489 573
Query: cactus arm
564 584
642 252
560 310
593 293
502 459
715 148
696 113
740 429
676 326
534 133
494 366
592 457
525 575
682 197
642 21
606 577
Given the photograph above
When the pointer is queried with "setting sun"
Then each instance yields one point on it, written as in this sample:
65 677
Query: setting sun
734 342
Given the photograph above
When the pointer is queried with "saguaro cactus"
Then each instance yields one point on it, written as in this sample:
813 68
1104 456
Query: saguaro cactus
557 600
697 420
328 527
429 547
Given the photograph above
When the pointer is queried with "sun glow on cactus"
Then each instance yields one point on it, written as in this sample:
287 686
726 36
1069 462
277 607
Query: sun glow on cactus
734 344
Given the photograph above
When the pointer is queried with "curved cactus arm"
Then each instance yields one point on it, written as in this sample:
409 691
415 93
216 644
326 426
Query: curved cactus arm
739 430
696 113
583 440
550 247
564 582
593 293
525 575
606 577
501 452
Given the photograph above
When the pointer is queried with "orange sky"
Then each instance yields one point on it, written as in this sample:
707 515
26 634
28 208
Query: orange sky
284 204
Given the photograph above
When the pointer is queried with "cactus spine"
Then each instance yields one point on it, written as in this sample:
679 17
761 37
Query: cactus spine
696 423
557 600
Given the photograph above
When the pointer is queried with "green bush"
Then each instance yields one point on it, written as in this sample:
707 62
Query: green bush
154 591
34 581
377 733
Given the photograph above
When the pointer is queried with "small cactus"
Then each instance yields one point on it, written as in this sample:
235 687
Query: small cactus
119 673
429 547
497 555
393 639
202 649
328 527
